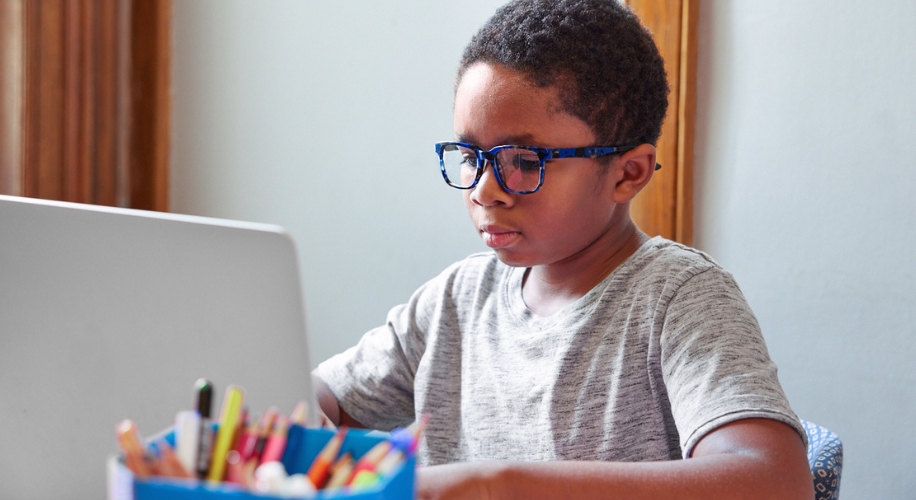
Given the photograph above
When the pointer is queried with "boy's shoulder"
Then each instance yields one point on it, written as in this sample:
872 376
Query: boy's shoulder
662 251
663 259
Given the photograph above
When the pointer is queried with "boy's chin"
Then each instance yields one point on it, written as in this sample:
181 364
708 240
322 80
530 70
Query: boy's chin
513 259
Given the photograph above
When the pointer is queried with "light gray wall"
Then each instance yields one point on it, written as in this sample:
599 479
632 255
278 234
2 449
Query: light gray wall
805 179
320 116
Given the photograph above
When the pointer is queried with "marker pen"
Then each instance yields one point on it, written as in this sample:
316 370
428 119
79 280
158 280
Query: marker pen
187 438
204 391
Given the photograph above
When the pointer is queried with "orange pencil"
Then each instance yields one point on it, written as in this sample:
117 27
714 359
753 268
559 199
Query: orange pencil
134 454
318 472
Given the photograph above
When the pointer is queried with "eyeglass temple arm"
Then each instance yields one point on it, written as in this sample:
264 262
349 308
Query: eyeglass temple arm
591 152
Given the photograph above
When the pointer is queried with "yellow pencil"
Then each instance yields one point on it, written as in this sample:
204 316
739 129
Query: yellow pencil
228 424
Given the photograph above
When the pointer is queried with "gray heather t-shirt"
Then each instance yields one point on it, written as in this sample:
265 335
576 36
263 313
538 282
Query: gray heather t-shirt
662 351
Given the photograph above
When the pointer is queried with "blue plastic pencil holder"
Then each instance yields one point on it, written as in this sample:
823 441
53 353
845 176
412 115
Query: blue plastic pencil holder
302 447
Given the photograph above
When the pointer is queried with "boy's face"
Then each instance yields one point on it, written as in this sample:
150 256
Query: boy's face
575 208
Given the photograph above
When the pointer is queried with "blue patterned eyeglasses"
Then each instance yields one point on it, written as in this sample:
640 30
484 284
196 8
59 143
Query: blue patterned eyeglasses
519 169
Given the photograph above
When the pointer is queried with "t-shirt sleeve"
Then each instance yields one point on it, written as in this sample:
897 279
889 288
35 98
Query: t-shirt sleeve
715 362
374 380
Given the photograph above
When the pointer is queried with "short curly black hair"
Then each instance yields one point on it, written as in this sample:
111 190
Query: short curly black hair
603 61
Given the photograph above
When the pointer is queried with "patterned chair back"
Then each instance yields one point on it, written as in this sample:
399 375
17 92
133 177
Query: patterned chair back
825 456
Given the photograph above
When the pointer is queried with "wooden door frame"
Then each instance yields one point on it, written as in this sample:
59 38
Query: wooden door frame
665 207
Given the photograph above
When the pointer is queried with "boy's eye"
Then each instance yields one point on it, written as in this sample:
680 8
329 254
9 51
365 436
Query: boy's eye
468 156
468 161
529 164
525 161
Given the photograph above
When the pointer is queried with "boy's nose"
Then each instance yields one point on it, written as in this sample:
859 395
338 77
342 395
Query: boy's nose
488 192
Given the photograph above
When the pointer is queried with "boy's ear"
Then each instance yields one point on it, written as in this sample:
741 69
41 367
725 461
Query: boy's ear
634 170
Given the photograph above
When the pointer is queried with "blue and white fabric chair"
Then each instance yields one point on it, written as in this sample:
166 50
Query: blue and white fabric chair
825 456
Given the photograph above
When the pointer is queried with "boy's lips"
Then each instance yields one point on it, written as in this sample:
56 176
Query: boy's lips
499 237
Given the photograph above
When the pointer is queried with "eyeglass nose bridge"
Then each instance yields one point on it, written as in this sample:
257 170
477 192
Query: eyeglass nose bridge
483 158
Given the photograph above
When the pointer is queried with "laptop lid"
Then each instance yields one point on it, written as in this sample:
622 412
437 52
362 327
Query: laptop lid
107 314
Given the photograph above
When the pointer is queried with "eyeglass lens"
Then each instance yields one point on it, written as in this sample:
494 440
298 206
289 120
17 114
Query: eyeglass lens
519 169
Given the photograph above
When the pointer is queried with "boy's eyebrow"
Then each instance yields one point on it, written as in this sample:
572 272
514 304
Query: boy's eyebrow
514 140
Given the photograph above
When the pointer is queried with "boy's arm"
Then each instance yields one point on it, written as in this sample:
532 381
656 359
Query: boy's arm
746 459
330 408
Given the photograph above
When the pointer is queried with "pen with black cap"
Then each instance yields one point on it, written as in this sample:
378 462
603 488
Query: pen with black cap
204 391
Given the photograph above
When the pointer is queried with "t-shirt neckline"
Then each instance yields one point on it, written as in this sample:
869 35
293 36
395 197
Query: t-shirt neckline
512 290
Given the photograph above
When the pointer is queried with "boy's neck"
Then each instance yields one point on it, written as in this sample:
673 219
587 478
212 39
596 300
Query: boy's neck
547 289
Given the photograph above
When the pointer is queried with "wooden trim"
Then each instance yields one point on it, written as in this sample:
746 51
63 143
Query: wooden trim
151 104
121 82
12 61
687 111
665 206
654 208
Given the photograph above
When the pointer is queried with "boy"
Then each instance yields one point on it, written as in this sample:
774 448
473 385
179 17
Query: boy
580 358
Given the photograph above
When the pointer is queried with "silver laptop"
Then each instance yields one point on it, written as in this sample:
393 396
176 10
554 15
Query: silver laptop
107 314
